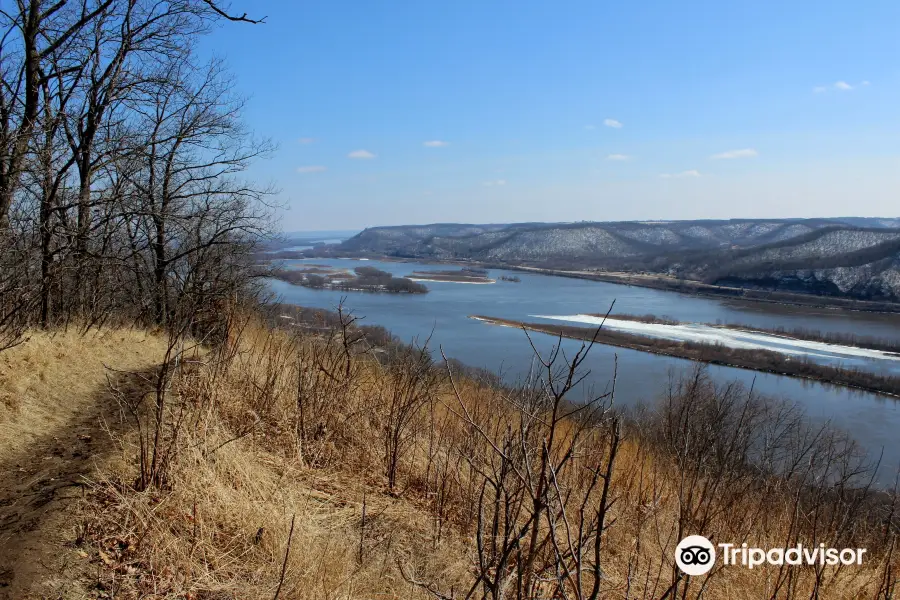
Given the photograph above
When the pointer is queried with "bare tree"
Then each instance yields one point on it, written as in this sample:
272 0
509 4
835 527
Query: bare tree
412 381
79 79
185 201
545 469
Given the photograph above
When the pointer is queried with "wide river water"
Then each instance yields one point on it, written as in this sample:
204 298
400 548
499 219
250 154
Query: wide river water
443 314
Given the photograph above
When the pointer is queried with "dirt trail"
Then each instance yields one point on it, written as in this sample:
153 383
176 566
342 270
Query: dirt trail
56 415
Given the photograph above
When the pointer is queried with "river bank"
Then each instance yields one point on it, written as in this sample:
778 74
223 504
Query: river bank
697 288
829 339
766 361
443 313
659 281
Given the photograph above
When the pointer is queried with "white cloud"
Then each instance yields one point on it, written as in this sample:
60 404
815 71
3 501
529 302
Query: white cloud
364 154
306 140
745 153
436 144
495 182
589 127
312 169
618 157
612 123
841 86
682 175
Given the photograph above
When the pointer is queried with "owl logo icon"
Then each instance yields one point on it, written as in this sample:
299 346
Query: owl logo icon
695 555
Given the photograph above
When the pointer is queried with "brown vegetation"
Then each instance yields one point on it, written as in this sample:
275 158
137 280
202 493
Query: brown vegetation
313 463
121 154
216 452
648 318
826 337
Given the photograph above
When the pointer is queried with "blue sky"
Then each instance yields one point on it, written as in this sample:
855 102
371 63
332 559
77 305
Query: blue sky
571 110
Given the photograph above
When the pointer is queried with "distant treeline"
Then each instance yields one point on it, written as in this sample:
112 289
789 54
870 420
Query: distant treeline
798 333
325 322
685 286
827 337
648 318
757 360
282 255
464 274
312 320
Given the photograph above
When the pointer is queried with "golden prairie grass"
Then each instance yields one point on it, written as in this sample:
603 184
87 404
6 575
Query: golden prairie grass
252 506
224 525
52 377
221 527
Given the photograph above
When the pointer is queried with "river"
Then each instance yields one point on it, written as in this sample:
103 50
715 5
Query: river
872 419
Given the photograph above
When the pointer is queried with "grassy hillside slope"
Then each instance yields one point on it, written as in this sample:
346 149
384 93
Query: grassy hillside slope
56 416
303 463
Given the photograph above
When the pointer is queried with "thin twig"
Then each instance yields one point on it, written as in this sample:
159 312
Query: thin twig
287 553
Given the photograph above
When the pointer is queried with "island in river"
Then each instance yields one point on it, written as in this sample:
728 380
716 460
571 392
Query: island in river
360 279
442 314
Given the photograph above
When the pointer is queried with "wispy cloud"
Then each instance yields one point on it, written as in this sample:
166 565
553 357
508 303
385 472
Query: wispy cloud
744 153
495 182
682 175
306 140
618 157
312 169
436 144
612 123
363 154
841 86
590 127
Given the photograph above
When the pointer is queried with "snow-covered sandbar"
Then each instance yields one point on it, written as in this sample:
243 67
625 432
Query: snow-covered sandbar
731 338
451 281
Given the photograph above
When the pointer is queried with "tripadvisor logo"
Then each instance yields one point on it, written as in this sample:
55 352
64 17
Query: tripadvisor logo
696 555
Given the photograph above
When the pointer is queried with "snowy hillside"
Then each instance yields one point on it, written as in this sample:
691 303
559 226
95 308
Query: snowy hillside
857 257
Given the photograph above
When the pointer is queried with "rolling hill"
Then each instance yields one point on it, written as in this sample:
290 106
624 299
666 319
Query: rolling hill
854 257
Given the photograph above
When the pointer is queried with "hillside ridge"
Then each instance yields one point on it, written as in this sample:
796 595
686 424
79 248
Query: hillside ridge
854 257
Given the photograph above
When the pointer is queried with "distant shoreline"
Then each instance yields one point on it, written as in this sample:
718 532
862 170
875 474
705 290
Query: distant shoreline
764 361
796 334
669 284
708 290
461 276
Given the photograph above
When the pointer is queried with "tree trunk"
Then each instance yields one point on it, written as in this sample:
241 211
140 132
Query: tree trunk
159 270
13 169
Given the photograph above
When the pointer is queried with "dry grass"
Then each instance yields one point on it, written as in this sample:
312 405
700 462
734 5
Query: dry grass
219 527
51 378
53 421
